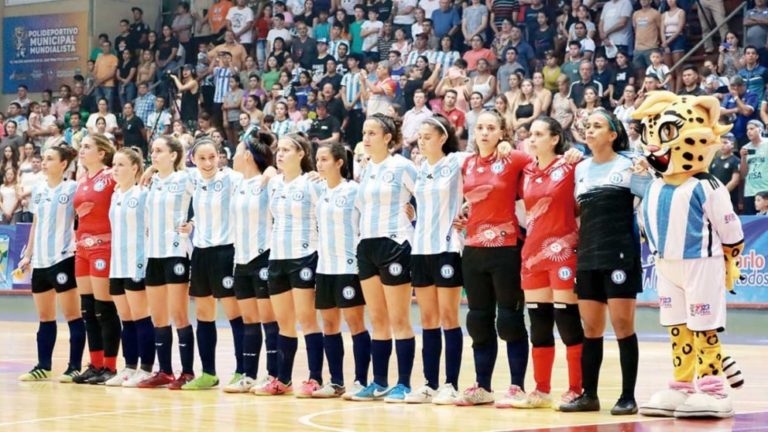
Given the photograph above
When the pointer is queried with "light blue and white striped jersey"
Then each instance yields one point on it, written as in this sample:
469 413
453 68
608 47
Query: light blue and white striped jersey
384 190
352 86
128 217
689 221
211 204
445 60
439 195
221 78
168 204
294 231
54 212
338 223
280 128
252 219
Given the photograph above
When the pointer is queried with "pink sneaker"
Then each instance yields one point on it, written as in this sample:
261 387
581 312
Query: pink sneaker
277 388
566 398
514 396
307 388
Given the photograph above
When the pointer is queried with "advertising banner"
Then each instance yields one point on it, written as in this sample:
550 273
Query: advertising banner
41 51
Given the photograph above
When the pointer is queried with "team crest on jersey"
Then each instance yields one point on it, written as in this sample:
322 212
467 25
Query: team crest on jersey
616 178
497 167
388 177
63 199
444 171
228 282
99 186
218 186
174 188
395 269
348 292
179 269
557 175
62 278
618 277
255 190
89 242
565 273
727 165
341 201
100 264
133 202
264 274
306 274
447 271
297 196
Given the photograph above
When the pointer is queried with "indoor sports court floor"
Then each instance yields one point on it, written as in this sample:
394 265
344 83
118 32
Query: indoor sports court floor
58 407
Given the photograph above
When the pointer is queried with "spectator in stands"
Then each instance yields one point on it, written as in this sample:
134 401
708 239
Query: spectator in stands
222 72
502 10
586 44
739 107
104 70
381 92
304 49
159 122
587 80
712 13
278 31
483 82
152 41
730 56
404 15
238 51
384 44
456 79
325 129
146 70
420 49
525 54
124 38
97 49
10 204
61 107
754 74
604 76
761 203
623 75
144 103
673 41
756 24
624 111
526 108
230 107
510 67
9 159
647 25
754 165
182 26
474 21
75 132
582 14
138 30
551 71
453 113
590 103
691 85
660 70
541 93
429 6
102 111
132 127
446 20
167 49
356 28
16 115
477 53
650 83
413 119
28 180
542 37
726 167
126 74
240 22
513 93
11 138
282 124
615 27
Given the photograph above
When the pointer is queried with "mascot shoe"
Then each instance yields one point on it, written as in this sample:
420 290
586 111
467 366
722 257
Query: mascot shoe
664 403
710 401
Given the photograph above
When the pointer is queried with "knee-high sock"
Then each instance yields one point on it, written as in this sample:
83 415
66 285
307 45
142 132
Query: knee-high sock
381 351
271 330
573 358
485 362
237 337
406 351
46 340
361 350
187 349
454 347
542 317
76 342
92 330
130 344
517 356
286 348
628 357
334 352
106 313
708 356
431 348
591 360
206 342
568 322
145 338
163 344
683 355
314 344
251 349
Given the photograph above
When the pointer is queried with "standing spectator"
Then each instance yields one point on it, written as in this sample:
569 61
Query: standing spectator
541 93
278 31
214 24
282 124
167 47
429 6
754 74
673 23
586 44
420 49
754 165
183 24
9 158
474 21
583 14
659 69
231 108
15 115
385 41
401 44
240 22
304 48
61 107
11 138
525 54
147 70
325 129
623 75
134 134
126 74
138 30
510 67
587 80
414 118
604 76
104 70
615 26
446 20
542 37
483 82
531 19
261 29
22 97
355 30
563 108
159 122
75 132
712 13
9 197
337 39
124 38
28 180
647 25
453 113
351 96
145 103
478 52
417 27
221 75
503 10
624 111
756 24
739 107
727 167
380 93
404 15
238 51
526 108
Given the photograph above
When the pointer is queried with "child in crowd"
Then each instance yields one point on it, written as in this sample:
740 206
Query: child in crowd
761 203
659 69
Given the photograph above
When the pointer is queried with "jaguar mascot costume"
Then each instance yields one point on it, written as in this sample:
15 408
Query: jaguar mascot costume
696 238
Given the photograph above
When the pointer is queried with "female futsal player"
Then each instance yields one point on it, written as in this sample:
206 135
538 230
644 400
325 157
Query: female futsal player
252 227
92 261
167 275
51 252
338 286
549 261
608 271
292 263
127 215
384 256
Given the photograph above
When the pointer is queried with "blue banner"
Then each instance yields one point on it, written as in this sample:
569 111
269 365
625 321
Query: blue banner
753 289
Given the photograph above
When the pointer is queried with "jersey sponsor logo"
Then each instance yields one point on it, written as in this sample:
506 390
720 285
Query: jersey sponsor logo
63 199
565 273
700 309
447 271
388 177
395 269
62 278
618 277
264 274
297 196
616 178
665 302
730 217
228 282
557 175
100 264
218 186
348 292
445 171
341 201
99 186
179 269
133 202
497 167
306 274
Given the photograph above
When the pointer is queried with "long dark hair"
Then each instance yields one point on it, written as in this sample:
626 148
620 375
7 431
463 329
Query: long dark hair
339 152
301 142
389 125
555 129
259 145
451 143
621 142
66 154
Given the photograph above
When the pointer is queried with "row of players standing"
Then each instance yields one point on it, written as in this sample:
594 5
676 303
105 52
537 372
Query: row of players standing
357 246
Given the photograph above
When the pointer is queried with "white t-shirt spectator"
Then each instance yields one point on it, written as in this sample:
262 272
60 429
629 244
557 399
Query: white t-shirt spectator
371 42
240 19
429 6
110 119
405 19
613 11
279 33
296 7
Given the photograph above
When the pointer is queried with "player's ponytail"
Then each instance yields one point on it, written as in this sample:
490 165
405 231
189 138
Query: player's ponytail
66 154
135 158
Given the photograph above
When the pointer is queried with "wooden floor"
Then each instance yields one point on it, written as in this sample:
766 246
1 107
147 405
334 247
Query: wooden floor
59 407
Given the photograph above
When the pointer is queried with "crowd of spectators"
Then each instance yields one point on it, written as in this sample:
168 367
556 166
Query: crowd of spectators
225 69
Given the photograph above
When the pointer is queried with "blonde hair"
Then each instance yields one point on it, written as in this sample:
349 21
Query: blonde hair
135 158
104 144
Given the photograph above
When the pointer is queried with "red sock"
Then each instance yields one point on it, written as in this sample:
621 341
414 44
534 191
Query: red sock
110 363
573 355
543 358
97 359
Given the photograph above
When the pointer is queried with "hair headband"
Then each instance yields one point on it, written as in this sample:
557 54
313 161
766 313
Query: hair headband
438 123
251 146
384 121
607 117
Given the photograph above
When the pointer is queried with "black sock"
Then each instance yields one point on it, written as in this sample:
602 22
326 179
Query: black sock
145 339
628 356
286 349
187 349
237 337
334 352
454 347
406 351
381 351
485 361
163 344
130 344
77 343
206 343
46 339
361 350
314 346
591 360
106 313
271 330
431 348
251 349
517 357
92 327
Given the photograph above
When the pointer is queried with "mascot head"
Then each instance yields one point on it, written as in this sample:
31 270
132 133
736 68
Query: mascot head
680 134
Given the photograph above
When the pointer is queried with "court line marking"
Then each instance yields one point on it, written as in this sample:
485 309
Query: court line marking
136 411
306 420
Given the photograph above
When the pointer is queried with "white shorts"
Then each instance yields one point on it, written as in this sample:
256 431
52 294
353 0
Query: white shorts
692 292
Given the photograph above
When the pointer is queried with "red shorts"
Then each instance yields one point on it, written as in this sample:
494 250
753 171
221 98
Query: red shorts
558 276
92 261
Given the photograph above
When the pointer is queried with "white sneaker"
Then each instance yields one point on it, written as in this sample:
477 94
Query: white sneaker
260 386
329 390
446 395
355 389
243 385
514 395
120 378
534 399
664 403
136 378
423 394
566 398
706 405
475 395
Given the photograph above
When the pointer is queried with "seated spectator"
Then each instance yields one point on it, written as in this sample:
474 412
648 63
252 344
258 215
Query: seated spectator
103 111
75 132
624 111
563 109
502 38
587 80
282 124
16 116
754 165
132 127
159 121
526 108
691 85
590 103
483 82
477 53
730 57
739 107
650 83
754 74
660 70
453 113
10 158
761 203
325 129
727 167
541 93
714 84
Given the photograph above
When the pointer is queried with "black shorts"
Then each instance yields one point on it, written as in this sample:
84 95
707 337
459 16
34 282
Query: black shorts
385 258
251 279
601 285
292 273
440 270
164 271
492 277
60 276
341 291
212 272
118 286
